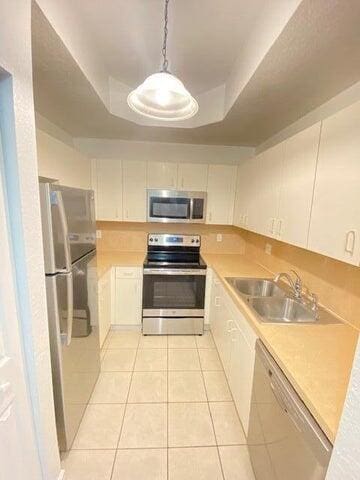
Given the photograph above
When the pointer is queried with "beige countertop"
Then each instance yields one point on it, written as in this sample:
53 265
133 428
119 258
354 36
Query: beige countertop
106 260
316 358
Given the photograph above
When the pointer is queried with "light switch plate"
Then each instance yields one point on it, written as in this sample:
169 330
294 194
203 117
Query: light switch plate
219 237
98 234
268 248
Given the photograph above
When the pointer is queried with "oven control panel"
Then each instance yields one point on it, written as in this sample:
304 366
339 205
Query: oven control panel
174 240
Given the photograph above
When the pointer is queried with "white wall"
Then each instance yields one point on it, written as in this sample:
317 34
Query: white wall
18 125
61 161
345 461
162 152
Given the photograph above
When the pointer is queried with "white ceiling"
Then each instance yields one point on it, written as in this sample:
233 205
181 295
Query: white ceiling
205 36
270 61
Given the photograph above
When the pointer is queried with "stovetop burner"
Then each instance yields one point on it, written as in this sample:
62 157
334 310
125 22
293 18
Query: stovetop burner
174 251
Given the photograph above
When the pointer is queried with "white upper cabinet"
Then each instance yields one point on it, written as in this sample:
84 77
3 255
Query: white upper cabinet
192 176
268 190
162 175
134 190
245 209
107 178
221 194
335 218
298 176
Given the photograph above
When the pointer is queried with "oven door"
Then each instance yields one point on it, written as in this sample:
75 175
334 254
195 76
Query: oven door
173 292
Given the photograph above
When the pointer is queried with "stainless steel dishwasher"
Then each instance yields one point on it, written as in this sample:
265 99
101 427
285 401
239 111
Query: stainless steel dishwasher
285 442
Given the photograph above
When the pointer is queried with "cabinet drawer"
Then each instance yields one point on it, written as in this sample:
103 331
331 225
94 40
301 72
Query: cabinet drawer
128 272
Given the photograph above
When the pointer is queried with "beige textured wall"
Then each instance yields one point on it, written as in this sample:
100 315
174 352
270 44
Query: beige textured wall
131 237
336 283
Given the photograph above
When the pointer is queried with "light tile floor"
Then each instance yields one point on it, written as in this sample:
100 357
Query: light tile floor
161 410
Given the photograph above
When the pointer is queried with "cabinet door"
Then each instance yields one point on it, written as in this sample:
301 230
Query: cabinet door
192 177
268 189
246 194
241 375
162 175
134 190
108 186
221 194
128 301
239 202
300 156
335 217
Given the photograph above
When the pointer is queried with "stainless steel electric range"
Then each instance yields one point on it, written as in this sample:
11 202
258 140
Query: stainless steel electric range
173 285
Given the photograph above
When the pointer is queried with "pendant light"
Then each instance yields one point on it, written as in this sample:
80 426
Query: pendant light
162 96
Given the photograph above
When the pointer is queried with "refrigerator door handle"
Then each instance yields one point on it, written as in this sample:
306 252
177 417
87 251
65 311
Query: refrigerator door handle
64 228
66 336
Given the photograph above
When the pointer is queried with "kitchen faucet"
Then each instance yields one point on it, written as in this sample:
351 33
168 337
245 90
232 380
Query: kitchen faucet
296 286
308 297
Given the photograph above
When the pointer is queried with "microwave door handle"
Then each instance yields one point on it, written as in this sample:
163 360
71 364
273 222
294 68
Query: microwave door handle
191 208
64 229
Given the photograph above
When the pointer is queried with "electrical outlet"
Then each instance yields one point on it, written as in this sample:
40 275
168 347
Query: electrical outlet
98 234
268 248
219 237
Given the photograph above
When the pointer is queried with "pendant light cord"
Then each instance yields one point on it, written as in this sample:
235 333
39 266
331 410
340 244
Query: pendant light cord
164 48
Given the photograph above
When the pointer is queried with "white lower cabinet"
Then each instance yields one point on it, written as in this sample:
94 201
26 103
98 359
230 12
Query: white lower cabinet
128 292
105 305
235 341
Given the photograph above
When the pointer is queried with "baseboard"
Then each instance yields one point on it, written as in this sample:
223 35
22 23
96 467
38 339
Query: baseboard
136 328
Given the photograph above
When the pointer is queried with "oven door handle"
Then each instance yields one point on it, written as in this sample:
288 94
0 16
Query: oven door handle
174 271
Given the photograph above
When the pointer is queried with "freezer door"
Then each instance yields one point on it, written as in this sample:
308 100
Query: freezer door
77 206
75 360
68 225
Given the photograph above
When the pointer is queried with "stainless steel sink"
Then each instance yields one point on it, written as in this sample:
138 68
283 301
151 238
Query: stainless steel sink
256 287
282 310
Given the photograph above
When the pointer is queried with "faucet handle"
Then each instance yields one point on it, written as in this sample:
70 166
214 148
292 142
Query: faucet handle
298 284
297 276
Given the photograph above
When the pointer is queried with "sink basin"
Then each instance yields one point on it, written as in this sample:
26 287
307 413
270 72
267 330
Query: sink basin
256 287
282 310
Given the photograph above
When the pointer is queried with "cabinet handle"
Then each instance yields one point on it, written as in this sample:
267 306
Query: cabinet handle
127 213
210 216
230 329
246 220
272 225
182 182
350 241
217 301
279 228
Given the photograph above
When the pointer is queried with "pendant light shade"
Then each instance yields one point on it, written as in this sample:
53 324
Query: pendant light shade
162 96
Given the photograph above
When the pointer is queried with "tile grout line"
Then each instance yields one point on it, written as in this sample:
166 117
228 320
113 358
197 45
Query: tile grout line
161 448
167 408
212 421
125 408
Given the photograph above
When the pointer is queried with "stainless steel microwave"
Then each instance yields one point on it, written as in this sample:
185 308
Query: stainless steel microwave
176 206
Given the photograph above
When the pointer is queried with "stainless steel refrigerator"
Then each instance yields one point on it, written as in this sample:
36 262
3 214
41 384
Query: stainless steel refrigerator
69 236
